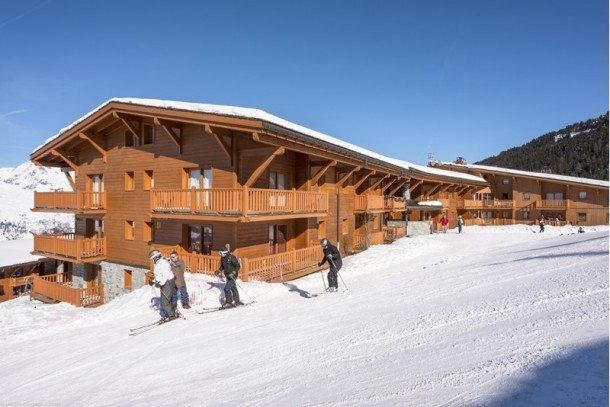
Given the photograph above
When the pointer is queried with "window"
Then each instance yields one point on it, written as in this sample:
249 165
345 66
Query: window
554 196
344 227
505 215
376 223
198 178
129 139
148 181
200 239
148 232
487 214
129 230
277 238
525 214
278 180
582 217
98 226
129 181
148 134
505 181
505 195
582 195
127 280
526 196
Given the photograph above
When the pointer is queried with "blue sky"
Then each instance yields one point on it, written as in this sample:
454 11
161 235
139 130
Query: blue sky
402 78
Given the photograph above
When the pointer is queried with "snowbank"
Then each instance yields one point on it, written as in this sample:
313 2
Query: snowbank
473 319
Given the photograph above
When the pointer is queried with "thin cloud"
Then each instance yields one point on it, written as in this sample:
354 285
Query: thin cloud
25 13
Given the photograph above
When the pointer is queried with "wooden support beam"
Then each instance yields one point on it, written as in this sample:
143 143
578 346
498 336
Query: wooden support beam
321 172
415 185
169 130
364 177
263 166
434 190
444 188
344 178
388 185
84 136
397 187
56 152
376 183
207 129
127 123
468 190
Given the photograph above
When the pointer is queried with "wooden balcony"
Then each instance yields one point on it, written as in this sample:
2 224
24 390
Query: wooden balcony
273 268
68 247
369 203
489 222
58 288
237 204
358 243
394 204
552 204
487 204
391 234
84 202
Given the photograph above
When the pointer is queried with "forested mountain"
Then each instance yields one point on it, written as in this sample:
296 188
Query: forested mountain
580 149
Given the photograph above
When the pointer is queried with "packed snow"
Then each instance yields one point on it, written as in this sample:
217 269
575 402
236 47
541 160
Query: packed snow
542 175
17 187
259 114
492 316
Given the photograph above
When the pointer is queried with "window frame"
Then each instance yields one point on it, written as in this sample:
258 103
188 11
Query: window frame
152 133
148 180
129 181
130 230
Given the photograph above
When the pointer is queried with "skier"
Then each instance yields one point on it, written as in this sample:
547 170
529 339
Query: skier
164 279
460 223
541 223
178 268
333 257
444 223
229 266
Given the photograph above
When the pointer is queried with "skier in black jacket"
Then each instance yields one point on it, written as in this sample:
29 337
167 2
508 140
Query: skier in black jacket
229 266
333 257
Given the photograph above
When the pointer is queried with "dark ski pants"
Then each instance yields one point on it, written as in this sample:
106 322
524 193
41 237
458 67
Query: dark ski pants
459 228
541 228
167 292
332 278
183 294
231 293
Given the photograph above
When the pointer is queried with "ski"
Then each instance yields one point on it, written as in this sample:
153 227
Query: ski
148 327
210 310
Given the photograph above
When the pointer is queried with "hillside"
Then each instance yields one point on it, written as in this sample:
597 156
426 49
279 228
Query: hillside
495 316
580 149
17 187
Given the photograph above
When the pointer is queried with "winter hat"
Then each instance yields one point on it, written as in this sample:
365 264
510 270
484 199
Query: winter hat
154 254
223 252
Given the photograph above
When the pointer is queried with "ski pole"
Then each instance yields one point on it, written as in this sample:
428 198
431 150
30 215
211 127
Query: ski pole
245 292
340 276
323 281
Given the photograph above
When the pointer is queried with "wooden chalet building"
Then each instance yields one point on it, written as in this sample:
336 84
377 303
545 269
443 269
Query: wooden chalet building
152 174
515 196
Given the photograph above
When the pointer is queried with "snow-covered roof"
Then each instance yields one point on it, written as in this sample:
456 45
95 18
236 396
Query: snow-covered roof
541 175
430 203
257 114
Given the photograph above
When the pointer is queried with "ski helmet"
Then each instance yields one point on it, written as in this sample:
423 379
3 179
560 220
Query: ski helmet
324 242
154 255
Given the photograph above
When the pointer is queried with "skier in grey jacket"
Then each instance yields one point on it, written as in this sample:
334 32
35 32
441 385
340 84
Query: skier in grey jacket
164 279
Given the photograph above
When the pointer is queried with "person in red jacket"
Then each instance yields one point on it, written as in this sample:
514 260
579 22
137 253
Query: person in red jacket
444 223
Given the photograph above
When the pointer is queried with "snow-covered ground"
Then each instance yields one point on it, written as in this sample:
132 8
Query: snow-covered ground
495 316
16 251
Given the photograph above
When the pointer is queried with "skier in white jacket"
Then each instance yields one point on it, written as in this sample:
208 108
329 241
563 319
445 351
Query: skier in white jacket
164 279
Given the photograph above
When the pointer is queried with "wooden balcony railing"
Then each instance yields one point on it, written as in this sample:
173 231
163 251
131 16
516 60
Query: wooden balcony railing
8 285
393 203
391 234
487 204
488 222
79 201
274 267
376 237
358 243
238 201
70 247
58 287
369 203
552 204
282 266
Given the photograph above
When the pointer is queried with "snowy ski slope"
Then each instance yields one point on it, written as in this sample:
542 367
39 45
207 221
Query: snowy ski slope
495 316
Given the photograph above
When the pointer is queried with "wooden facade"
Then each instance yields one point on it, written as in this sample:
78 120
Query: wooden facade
524 197
154 178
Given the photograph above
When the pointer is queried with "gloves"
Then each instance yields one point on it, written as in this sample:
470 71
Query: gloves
320 264
156 284
329 256
232 276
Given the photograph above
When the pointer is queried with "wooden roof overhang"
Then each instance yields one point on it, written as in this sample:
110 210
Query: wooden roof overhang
513 175
261 131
